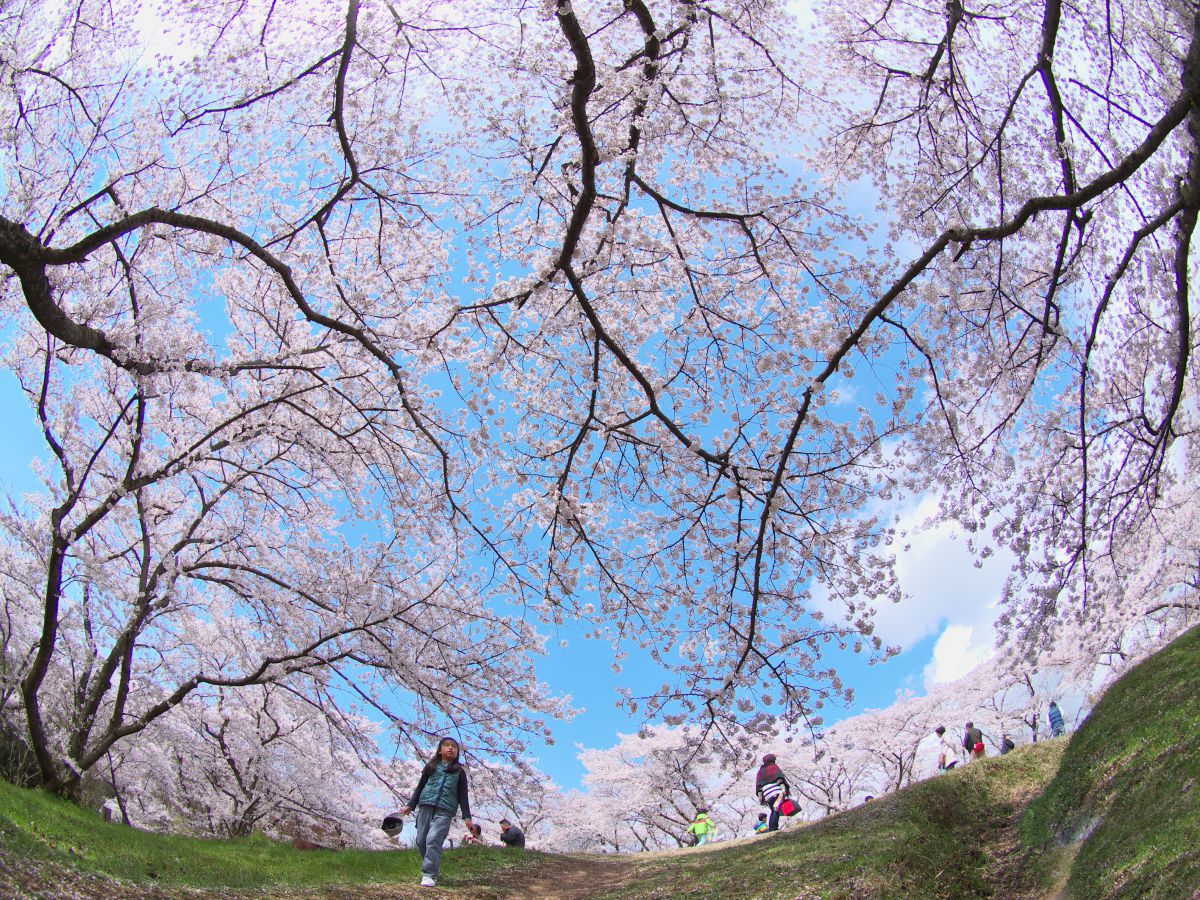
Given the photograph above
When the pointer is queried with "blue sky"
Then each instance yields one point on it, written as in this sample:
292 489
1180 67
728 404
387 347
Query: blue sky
21 443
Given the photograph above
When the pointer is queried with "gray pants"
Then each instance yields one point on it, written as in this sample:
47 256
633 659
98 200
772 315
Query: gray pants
433 824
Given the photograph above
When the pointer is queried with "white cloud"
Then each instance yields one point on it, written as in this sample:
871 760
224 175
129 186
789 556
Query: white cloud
802 10
944 587
956 653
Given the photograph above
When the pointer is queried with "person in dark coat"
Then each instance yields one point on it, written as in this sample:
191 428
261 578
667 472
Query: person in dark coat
973 742
511 835
772 788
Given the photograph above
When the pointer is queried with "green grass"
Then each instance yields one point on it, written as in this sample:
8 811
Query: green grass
1115 812
928 840
1122 817
35 824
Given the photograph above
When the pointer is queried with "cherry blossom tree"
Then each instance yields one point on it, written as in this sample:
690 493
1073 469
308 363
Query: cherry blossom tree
644 791
828 777
1044 157
261 759
191 543
561 303
520 793
892 737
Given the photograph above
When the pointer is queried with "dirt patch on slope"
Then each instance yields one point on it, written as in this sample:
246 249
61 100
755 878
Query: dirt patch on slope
569 877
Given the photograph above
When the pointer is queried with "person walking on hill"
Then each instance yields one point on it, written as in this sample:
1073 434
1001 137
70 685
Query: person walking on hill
1006 744
703 827
772 788
947 752
441 790
761 825
1057 726
973 742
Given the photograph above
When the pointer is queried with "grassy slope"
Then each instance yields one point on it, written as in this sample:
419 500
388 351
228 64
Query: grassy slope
896 846
1116 814
1119 817
929 840
1122 817
34 824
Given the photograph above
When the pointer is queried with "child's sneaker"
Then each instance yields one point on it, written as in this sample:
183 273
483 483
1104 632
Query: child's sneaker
428 881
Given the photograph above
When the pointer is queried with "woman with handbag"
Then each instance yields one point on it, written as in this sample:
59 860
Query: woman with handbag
772 788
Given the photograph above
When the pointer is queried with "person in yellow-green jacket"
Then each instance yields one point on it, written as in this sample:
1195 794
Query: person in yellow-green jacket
703 827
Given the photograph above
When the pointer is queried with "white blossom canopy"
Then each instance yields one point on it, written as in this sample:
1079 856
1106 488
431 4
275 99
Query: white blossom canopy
564 306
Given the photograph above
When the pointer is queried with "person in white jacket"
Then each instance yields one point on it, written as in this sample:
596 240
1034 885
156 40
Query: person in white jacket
947 750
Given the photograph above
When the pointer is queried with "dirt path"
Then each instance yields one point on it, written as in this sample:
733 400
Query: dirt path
583 876
570 877
1005 873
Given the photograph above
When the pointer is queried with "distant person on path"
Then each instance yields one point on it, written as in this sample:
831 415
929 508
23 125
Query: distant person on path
441 790
1057 726
973 742
1006 744
947 752
511 835
703 827
474 835
772 787
761 825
